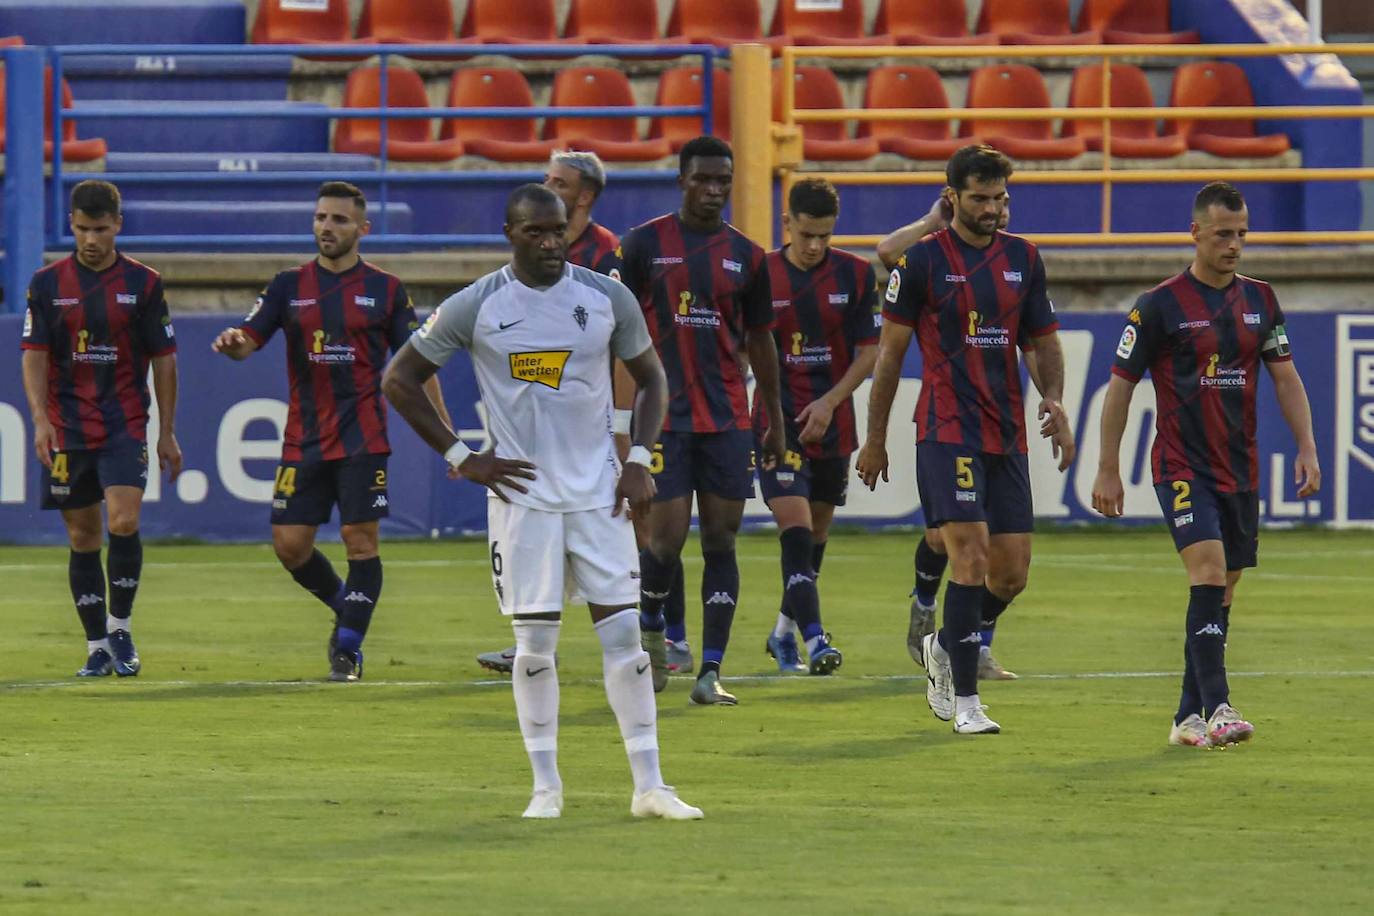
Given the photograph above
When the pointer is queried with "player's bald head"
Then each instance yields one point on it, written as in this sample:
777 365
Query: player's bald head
531 198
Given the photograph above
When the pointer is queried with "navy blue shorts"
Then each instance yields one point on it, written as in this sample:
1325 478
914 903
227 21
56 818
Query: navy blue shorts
1195 512
959 484
78 478
717 463
822 480
305 492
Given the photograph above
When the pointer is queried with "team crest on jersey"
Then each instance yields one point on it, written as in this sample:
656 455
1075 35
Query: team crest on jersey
1011 276
839 298
781 303
126 298
540 367
366 302
1126 346
580 316
1251 317
894 284
730 265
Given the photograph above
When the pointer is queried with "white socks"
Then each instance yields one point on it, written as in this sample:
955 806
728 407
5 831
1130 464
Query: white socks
116 623
966 704
784 625
631 695
534 681
93 644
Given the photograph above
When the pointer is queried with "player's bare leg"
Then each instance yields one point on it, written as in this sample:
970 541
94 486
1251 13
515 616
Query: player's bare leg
668 524
87 578
1009 557
953 678
719 522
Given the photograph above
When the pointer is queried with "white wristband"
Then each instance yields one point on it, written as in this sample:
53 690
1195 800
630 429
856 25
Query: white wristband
638 455
457 453
620 423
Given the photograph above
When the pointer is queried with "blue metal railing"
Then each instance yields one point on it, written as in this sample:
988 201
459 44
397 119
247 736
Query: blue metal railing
383 177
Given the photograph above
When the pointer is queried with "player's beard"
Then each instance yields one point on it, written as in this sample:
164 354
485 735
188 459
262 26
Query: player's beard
336 248
986 226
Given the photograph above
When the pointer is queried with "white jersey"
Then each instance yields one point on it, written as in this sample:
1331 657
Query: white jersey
543 363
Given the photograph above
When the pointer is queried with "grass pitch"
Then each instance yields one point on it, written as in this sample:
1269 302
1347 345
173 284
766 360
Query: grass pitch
229 779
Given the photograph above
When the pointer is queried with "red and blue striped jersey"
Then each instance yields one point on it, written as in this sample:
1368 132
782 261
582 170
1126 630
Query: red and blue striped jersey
598 249
821 317
100 330
1202 347
338 328
971 308
700 292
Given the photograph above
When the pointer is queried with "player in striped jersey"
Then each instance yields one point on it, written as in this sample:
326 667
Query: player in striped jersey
339 315
1202 336
95 321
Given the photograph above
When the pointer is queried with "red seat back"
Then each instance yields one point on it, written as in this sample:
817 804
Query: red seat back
816 87
1130 89
581 87
407 20
948 18
507 20
489 87
905 86
1150 16
1039 17
609 22
845 21
1006 86
404 89
277 23
737 20
1212 83
683 86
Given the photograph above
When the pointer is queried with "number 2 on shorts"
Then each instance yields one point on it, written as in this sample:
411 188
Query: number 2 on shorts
1182 491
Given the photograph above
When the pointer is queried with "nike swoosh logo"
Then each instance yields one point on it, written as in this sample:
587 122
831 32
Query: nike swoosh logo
640 669
531 672
503 325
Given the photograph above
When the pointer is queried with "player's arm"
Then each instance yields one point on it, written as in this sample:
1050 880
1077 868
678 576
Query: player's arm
762 352
1108 494
892 246
165 390
623 394
1297 413
238 343
636 484
887 372
1049 361
35 370
436 397
814 419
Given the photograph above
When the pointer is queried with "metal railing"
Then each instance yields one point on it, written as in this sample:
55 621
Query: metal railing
1107 175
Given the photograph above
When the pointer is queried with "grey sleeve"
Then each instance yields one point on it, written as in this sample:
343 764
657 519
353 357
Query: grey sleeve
631 335
449 327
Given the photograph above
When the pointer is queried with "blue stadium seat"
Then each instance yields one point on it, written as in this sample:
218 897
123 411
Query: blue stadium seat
67 22
260 133
236 78
247 217
234 162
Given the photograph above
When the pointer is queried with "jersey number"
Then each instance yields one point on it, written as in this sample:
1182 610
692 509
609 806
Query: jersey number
1182 490
286 482
379 482
963 473
59 467
496 564
656 460
792 459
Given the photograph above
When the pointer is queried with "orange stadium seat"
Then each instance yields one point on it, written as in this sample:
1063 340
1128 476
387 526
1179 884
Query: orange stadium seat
713 22
621 22
499 139
816 87
1215 83
927 22
613 139
280 22
505 22
682 86
1132 22
73 149
406 22
842 25
909 87
409 139
1032 22
1130 89
12 41
1015 86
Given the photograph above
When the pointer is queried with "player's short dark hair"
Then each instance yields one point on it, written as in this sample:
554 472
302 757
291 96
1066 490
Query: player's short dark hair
703 147
95 198
814 197
532 193
979 162
1217 192
343 190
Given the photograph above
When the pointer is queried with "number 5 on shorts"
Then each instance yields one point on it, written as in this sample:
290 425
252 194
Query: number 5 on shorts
656 460
963 472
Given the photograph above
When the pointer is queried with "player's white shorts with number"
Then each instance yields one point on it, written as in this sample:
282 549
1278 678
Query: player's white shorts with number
538 558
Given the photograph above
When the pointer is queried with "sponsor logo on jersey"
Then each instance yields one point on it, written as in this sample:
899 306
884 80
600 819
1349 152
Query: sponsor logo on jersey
667 260
1219 376
1189 325
894 285
839 298
1126 347
87 351
1181 520
781 303
68 301
785 478
1011 276
1250 317
983 337
366 302
324 352
730 265
278 504
126 298
58 490
877 319
541 367
965 496
955 278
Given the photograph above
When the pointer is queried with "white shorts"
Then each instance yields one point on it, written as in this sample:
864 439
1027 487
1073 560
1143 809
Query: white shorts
539 559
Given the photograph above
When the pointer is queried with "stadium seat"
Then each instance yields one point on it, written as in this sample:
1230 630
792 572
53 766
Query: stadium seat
1015 86
713 22
406 22
12 41
73 149
1130 89
613 139
624 22
909 87
841 25
1132 22
507 22
682 86
1032 22
499 139
1215 83
281 22
927 22
816 87
409 139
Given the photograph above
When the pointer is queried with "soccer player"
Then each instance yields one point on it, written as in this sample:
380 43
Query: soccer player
95 321
825 328
339 315
1202 336
970 293
703 287
931 559
541 334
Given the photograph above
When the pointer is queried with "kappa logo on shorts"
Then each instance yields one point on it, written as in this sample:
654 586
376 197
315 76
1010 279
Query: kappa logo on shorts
541 367
379 502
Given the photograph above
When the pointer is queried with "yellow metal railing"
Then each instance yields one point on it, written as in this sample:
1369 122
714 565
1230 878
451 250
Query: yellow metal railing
753 63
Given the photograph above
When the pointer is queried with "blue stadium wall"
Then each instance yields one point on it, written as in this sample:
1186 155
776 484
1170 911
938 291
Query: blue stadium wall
231 416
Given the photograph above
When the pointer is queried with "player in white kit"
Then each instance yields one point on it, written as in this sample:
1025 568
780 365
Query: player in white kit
541 334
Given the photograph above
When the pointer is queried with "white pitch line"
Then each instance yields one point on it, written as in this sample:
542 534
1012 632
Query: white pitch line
503 682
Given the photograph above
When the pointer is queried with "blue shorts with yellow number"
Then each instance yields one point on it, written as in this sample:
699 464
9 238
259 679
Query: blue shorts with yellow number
78 478
304 492
822 480
960 484
1195 511
718 463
